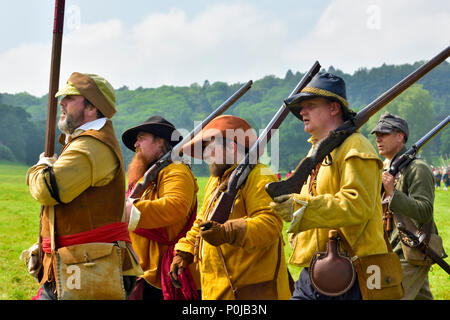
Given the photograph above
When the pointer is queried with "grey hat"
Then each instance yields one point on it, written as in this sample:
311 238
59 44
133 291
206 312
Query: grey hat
389 122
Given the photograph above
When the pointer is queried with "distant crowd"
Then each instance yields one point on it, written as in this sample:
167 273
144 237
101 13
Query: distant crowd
442 174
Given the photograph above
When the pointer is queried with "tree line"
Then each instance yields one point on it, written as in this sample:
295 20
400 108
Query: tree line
424 105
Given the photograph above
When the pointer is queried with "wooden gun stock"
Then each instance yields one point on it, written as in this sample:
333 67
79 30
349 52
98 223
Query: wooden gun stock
294 183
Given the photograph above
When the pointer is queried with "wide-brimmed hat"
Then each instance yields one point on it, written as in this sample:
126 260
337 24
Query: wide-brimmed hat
322 85
94 88
155 125
225 126
388 122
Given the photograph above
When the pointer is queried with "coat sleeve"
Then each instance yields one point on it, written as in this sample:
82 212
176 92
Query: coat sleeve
176 191
417 202
86 162
263 225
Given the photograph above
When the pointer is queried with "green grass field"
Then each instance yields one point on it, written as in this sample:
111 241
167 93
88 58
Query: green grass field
19 225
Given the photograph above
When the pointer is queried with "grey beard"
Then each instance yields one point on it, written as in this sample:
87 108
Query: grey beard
68 126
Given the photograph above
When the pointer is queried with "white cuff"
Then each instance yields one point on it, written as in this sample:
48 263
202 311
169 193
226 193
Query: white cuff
135 216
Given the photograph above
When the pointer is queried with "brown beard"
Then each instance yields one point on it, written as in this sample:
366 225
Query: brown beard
217 170
137 167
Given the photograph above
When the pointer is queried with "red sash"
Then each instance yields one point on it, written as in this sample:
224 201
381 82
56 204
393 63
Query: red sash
188 290
117 231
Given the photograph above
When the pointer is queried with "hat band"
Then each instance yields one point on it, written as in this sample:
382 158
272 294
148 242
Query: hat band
322 92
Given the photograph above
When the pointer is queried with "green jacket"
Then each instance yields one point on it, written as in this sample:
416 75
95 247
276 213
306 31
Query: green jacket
413 197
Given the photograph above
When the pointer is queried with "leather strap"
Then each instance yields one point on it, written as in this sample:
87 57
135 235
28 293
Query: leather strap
222 260
349 249
313 178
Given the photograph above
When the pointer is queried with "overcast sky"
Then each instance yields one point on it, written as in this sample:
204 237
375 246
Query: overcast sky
150 43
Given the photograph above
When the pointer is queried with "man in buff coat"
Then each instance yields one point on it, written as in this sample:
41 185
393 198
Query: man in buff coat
242 258
163 213
85 185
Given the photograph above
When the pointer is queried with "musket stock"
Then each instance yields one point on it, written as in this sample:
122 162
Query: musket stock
294 183
173 155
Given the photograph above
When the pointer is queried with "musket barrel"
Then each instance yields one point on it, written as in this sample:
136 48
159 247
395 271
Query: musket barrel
221 109
173 155
257 149
58 25
223 206
422 141
332 141
401 86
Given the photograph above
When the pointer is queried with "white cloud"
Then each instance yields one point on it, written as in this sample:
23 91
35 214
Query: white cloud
352 34
234 43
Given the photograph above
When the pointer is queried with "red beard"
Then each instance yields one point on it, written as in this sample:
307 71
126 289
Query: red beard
137 167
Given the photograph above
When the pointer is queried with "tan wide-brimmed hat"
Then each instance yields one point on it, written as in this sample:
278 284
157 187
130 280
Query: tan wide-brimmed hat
225 126
94 88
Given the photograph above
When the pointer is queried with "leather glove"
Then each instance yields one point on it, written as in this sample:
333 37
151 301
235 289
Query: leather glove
284 206
181 261
231 232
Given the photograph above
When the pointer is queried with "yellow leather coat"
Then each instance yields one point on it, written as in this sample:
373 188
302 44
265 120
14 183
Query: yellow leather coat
348 198
255 259
167 206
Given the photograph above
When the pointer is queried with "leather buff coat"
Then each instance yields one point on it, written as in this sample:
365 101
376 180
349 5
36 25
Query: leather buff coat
167 207
254 259
348 198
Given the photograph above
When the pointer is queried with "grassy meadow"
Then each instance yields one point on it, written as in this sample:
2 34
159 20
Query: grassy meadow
19 225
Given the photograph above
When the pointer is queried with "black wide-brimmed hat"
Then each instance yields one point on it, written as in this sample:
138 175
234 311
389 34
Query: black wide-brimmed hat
322 85
155 125
388 122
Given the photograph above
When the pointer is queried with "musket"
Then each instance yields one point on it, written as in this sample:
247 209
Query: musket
338 136
406 158
239 175
55 66
52 108
410 235
173 155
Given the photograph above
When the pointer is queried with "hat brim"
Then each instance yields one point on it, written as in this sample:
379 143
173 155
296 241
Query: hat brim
194 148
379 128
69 89
161 130
293 103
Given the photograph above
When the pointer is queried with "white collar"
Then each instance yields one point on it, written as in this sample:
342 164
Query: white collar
91 125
